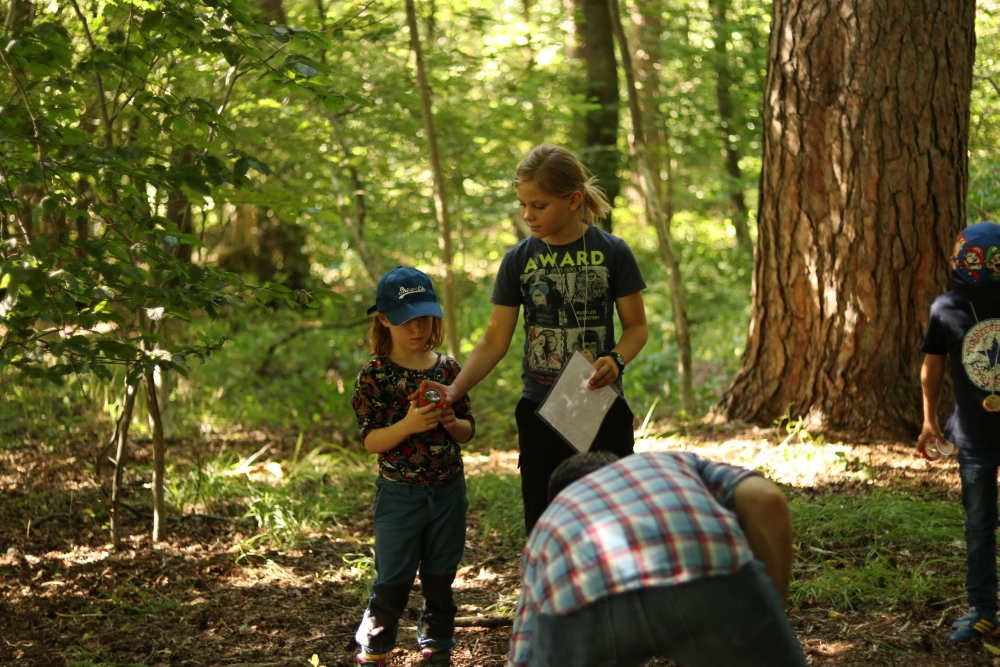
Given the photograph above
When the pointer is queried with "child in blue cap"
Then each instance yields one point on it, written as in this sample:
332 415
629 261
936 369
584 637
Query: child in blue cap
965 325
420 501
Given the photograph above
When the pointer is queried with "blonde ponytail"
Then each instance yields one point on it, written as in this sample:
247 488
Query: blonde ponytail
557 171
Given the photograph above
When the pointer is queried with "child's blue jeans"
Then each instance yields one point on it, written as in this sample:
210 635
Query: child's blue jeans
978 470
417 527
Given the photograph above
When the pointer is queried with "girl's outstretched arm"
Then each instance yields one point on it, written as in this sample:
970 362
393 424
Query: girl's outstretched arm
486 355
635 331
931 379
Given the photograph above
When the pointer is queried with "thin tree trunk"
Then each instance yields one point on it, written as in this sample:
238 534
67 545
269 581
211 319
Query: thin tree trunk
600 151
159 468
114 503
863 186
356 222
654 213
647 28
440 189
730 148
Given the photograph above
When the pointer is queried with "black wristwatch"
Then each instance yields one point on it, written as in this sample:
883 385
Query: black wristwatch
617 358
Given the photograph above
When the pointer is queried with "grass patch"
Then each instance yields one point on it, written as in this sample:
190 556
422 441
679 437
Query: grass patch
142 601
78 656
881 551
322 490
496 511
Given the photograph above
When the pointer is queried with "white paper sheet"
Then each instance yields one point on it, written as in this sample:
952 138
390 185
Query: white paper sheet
572 408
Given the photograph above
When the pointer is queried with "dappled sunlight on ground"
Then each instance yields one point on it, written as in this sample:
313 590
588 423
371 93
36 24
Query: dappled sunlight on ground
807 464
496 462
215 593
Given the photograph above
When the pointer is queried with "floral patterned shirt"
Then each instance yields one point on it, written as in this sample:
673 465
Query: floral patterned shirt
380 400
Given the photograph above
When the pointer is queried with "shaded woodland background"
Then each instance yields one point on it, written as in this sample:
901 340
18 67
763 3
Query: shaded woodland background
276 155
197 199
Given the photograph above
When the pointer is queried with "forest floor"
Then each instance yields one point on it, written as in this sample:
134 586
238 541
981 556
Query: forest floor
213 594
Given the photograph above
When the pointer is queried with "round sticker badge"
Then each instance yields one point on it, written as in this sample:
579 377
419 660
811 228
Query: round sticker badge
980 357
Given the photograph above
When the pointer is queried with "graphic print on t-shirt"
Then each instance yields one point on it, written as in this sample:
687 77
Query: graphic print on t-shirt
558 299
566 303
980 352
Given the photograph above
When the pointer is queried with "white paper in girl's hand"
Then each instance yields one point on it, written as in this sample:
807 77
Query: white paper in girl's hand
572 408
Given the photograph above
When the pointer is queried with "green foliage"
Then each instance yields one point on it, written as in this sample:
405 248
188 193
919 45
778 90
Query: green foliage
78 656
286 371
495 502
97 259
795 429
141 600
222 128
983 201
361 570
284 500
876 552
316 125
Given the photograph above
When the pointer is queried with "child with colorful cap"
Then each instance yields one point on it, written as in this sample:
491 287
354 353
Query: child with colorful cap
420 500
965 325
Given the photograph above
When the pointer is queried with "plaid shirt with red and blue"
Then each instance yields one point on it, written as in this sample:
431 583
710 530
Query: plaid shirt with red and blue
651 519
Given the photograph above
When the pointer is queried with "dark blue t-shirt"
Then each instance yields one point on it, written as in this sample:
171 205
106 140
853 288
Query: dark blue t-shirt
568 296
973 351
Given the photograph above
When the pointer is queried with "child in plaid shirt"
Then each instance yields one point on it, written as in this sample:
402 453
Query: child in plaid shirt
638 557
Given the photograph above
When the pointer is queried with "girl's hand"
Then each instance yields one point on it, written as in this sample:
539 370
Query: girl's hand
421 419
930 430
448 419
448 398
606 372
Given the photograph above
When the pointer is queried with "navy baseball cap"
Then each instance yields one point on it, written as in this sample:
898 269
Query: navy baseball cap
975 263
405 293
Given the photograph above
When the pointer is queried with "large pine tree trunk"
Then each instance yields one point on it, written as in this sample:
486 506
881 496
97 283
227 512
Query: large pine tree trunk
866 114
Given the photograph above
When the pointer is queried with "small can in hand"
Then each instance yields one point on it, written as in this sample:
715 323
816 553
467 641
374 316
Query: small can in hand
933 449
431 396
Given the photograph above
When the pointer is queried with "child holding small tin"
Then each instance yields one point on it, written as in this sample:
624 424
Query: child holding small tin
963 334
420 499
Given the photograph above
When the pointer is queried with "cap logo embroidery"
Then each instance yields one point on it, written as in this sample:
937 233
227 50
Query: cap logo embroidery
404 291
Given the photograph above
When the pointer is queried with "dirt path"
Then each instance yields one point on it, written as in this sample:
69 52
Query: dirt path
67 599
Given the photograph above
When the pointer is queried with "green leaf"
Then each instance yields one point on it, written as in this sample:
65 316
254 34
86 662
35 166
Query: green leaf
334 103
240 170
116 350
191 239
259 166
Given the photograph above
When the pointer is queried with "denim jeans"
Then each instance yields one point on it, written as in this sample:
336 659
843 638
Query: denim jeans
734 620
421 528
978 470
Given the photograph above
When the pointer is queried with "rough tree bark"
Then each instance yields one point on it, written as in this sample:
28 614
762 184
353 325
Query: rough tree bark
596 44
866 114
730 149
440 189
654 213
